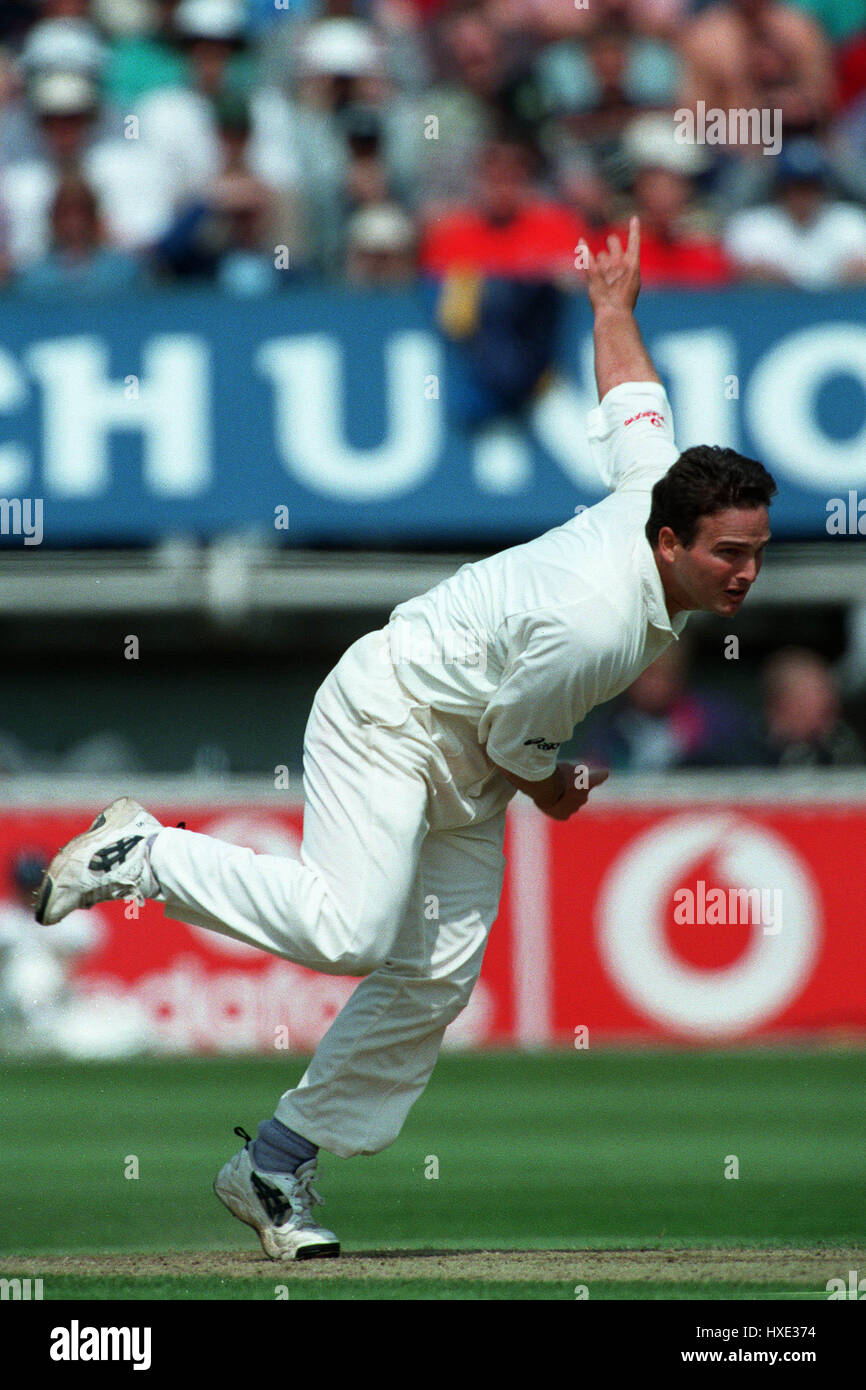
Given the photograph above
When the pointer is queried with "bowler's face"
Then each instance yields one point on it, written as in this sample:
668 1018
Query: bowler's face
720 566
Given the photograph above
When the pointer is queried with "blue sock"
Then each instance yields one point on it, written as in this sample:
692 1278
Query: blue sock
279 1149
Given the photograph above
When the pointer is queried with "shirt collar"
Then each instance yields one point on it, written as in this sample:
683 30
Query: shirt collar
653 591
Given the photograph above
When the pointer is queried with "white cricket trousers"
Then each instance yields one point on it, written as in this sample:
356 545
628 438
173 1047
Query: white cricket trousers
399 880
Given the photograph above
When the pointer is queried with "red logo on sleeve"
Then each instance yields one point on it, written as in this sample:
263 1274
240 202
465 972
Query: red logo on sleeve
655 417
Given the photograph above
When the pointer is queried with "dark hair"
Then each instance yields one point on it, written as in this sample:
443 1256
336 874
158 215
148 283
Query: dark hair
704 480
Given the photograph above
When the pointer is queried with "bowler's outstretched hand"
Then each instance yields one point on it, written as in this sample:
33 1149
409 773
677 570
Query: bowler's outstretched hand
613 276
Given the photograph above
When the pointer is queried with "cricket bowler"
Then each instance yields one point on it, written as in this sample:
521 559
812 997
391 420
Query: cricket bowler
413 749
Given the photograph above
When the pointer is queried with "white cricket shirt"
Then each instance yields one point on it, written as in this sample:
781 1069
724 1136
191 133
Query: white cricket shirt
524 644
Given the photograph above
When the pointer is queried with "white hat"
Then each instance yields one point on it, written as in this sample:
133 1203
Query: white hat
650 143
62 94
383 227
65 45
210 19
341 48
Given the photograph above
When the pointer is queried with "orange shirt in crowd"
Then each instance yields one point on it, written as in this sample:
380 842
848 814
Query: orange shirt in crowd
692 261
540 241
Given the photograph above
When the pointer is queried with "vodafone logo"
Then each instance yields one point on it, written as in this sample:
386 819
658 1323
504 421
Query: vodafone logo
769 970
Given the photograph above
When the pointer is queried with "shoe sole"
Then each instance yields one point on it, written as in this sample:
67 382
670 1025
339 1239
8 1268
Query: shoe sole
324 1251
62 857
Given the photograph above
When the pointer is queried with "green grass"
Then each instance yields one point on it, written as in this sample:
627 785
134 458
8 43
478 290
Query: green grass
576 1150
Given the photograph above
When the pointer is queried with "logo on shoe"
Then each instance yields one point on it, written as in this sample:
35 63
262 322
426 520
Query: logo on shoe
271 1198
106 858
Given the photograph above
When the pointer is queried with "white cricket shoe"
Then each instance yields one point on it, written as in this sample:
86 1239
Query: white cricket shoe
110 860
277 1205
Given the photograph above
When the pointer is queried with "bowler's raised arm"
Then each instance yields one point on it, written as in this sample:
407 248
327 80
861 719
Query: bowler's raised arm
613 281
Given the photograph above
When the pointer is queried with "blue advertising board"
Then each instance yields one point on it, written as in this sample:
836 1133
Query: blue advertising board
322 415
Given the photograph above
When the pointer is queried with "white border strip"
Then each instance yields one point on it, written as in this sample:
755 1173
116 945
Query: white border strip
624 790
532 974
751 786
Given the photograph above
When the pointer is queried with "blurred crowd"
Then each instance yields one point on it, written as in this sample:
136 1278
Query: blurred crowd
796 709
664 721
252 143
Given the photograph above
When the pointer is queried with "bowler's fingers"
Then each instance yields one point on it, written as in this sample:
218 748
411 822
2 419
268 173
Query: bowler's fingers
614 257
597 775
633 248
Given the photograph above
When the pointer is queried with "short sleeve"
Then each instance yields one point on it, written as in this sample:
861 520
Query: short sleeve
631 436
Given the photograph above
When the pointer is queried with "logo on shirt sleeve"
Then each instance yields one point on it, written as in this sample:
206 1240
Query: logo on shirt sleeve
655 417
540 743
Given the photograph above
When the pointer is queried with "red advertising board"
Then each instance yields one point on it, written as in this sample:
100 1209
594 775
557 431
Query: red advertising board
702 923
653 936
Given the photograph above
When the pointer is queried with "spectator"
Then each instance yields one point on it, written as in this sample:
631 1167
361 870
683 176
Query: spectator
557 19
658 724
587 192
53 45
498 308
143 54
804 238
380 247
398 26
803 726
511 230
367 182
674 250
759 54
261 223
501 339
63 43
248 264
343 130
180 125
129 183
486 90
238 233
594 91
79 265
